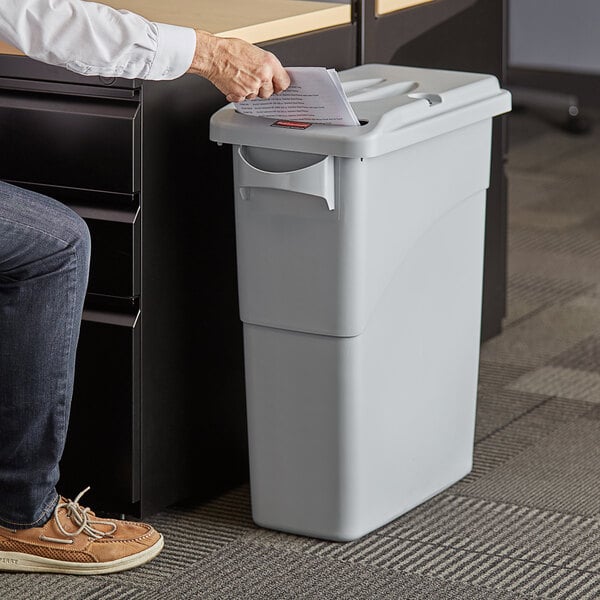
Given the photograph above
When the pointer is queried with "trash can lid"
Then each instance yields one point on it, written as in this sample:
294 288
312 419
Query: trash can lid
397 106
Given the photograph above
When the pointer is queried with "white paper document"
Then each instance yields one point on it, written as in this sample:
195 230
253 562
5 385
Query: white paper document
315 95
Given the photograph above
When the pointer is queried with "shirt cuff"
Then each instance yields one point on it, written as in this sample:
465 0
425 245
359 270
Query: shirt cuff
174 52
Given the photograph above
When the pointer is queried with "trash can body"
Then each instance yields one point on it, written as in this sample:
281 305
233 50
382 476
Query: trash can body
360 292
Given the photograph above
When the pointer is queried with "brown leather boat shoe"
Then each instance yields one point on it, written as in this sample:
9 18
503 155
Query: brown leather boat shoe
75 542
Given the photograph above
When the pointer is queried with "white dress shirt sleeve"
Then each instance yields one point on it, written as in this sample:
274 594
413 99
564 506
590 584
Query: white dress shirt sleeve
95 39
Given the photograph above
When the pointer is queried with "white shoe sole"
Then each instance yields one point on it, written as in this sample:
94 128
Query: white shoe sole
29 563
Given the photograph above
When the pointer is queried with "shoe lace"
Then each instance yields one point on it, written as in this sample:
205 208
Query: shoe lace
79 515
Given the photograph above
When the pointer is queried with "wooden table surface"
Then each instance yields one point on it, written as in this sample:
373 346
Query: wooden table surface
383 7
253 20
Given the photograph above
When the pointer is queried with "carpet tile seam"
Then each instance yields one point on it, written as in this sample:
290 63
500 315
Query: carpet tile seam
531 410
593 405
506 325
160 581
515 419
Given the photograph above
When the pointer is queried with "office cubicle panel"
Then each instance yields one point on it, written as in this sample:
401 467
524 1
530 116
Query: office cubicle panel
335 48
464 35
385 33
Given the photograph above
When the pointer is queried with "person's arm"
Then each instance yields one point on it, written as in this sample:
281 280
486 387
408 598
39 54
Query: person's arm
238 69
94 39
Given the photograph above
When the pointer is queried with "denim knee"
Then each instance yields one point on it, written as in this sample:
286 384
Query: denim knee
35 226
73 230
80 237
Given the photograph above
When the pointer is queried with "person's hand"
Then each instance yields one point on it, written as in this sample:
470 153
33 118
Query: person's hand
238 69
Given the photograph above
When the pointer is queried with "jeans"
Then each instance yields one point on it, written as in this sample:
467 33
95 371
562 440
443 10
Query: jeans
44 264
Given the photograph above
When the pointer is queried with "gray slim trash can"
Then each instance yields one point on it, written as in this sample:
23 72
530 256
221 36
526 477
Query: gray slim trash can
360 253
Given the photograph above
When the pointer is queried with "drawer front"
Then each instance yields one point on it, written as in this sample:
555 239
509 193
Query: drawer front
114 267
65 140
103 444
114 224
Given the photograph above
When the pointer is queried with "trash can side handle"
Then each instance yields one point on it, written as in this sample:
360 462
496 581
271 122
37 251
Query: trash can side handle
314 180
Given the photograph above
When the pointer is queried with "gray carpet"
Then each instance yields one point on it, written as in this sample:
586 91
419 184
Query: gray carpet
525 523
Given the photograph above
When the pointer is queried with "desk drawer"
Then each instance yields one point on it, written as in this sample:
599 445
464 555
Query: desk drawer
114 223
115 267
65 140
103 445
